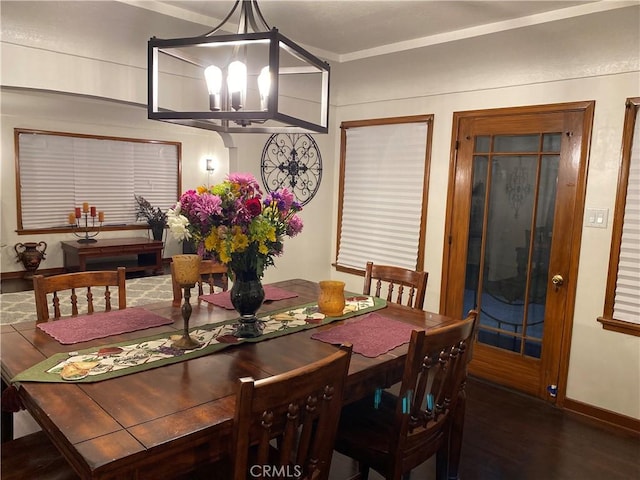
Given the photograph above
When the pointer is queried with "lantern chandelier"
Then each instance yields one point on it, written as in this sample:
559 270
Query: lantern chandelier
253 81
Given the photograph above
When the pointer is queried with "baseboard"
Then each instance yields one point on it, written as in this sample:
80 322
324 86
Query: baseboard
50 271
606 418
20 275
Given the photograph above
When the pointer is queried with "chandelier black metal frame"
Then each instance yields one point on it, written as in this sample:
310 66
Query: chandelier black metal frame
294 84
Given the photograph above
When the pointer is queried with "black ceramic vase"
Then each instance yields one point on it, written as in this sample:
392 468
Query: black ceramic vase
157 231
247 296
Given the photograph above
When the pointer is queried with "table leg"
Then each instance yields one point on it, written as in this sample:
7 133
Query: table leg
159 268
6 421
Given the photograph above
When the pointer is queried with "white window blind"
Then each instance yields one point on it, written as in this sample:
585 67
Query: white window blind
627 297
58 172
382 204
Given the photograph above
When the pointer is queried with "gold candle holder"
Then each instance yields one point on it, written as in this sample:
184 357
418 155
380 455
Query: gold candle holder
186 271
331 301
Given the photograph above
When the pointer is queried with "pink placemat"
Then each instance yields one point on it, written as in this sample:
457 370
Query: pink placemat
100 325
271 293
371 335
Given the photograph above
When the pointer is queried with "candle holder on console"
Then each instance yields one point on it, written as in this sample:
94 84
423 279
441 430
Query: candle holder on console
75 219
186 270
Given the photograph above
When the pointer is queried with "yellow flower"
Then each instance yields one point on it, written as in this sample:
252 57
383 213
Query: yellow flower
212 242
271 233
201 189
240 241
224 256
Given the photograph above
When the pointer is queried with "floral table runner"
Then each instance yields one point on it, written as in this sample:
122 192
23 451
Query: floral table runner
109 361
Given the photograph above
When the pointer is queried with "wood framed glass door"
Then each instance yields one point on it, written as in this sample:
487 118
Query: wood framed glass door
514 221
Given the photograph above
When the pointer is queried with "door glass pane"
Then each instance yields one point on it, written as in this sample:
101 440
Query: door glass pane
551 142
516 143
504 279
482 144
474 252
540 253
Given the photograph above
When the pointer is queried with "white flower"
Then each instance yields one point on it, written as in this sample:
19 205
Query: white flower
178 223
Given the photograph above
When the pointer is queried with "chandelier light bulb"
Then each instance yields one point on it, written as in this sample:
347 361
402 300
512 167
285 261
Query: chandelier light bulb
213 77
264 85
237 83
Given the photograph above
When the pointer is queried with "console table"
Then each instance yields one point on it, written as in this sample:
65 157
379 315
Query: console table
145 254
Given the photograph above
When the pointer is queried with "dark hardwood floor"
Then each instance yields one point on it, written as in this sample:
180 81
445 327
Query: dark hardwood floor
512 436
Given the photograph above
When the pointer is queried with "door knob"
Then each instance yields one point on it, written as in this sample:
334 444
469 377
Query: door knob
557 280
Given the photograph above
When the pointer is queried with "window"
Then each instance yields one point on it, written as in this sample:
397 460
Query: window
57 172
622 298
384 169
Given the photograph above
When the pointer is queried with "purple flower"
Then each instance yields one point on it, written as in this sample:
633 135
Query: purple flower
283 199
286 200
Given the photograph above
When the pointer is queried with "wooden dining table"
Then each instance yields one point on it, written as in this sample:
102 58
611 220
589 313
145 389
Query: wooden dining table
164 421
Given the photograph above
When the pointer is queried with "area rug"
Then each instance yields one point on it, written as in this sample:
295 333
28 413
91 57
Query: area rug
21 306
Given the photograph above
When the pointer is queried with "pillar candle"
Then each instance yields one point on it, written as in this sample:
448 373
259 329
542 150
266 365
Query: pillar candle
101 216
85 207
93 211
78 214
72 218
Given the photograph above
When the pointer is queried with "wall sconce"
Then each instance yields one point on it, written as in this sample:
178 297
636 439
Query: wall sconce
210 167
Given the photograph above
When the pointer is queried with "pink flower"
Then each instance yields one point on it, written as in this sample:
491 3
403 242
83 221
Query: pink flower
206 205
249 186
295 226
187 201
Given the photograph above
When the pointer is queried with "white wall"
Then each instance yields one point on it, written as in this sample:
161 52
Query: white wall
593 57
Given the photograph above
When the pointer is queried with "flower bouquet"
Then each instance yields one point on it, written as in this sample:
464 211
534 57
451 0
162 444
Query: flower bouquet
240 228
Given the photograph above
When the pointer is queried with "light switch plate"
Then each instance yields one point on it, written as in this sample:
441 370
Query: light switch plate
597 217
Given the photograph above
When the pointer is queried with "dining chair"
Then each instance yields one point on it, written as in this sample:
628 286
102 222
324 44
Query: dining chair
411 282
285 425
300 409
212 273
393 434
111 280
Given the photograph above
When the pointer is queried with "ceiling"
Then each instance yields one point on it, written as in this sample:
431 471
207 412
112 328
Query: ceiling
353 29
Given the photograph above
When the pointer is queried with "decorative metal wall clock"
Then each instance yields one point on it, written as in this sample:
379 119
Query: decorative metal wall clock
292 160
